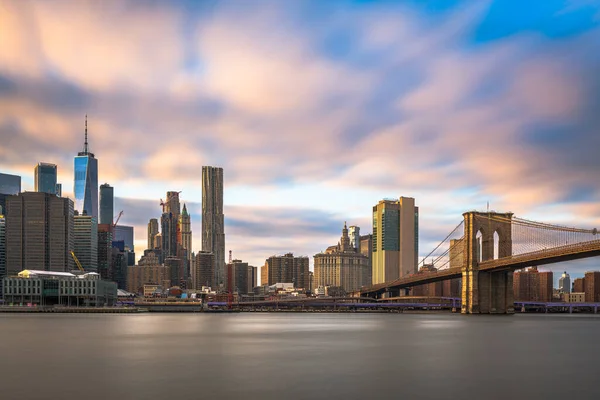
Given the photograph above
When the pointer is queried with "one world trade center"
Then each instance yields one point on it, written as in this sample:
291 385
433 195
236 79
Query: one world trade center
86 180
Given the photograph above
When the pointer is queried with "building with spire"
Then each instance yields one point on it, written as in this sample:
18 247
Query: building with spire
185 234
86 180
342 265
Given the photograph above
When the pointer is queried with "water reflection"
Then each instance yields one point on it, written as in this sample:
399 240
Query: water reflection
263 356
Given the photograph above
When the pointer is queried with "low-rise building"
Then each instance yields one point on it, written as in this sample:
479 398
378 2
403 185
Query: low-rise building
140 275
45 288
574 297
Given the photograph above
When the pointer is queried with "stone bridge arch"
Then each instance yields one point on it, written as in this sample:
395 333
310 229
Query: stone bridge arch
486 292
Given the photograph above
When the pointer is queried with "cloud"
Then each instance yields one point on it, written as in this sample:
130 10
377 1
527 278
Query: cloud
313 110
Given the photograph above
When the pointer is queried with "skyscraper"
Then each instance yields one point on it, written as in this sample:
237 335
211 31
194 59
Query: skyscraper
39 233
169 222
203 273
213 233
126 234
354 234
152 232
45 178
10 184
286 269
185 232
105 237
172 205
86 180
59 189
2 249
85 234
395 239
564 283
107 201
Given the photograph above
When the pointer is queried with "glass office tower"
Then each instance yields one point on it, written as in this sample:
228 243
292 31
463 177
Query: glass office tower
86 181
45 178
10 184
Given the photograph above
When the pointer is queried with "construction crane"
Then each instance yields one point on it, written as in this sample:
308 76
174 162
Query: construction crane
77 261
118 218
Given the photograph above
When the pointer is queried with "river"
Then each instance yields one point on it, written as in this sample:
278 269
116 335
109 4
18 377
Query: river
298 356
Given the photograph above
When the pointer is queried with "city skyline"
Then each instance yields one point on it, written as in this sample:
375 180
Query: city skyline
298 166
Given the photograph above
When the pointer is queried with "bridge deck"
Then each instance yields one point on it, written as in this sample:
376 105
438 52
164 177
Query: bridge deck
543 257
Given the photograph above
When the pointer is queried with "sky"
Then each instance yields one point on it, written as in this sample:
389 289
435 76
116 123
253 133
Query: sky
316 110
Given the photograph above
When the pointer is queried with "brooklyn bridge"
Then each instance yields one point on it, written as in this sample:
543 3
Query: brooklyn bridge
484 250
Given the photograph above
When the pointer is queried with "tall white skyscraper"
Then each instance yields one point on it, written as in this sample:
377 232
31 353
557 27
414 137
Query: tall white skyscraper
564 283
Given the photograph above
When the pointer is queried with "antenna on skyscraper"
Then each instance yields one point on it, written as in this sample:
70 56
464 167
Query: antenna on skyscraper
85 146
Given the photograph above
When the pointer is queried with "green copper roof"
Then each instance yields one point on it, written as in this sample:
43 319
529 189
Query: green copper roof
184 212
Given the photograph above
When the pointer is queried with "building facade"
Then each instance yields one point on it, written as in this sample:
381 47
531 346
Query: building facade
126 234
574 297
354 235
342 265
44 175
243 277
107 204
213 226
579 285
203 273
147 274
86 180
119 263
185 234
395 239
564 283
152 232
176 270
47 288
104 250
10 184
39 233
85 247
286 269
2 249
592 287
533 285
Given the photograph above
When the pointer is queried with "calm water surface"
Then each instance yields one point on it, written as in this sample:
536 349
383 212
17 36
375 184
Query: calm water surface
299 356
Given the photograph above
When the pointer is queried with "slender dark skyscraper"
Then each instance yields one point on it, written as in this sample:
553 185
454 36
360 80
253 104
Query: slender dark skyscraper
213 232
106 204
86 180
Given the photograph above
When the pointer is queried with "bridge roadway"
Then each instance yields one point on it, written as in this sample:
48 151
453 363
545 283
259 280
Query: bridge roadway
542 257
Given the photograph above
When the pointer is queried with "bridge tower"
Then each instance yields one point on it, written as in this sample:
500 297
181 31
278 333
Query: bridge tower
486 292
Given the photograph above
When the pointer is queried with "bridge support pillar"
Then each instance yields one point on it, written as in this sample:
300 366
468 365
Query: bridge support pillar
486 292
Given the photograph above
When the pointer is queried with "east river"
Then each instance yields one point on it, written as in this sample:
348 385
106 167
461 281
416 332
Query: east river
299 356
